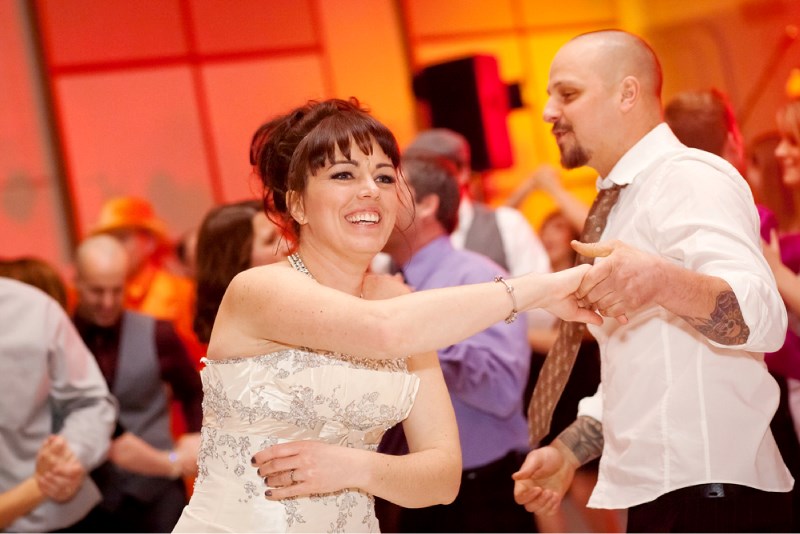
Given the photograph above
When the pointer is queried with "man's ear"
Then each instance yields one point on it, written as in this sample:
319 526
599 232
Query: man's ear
733 150
294 203
629 92
428 206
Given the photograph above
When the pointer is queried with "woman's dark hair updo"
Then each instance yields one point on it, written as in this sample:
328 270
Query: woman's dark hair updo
285 151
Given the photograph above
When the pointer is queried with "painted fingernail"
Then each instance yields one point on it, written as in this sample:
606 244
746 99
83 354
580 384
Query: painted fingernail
268 493
252 460
266 481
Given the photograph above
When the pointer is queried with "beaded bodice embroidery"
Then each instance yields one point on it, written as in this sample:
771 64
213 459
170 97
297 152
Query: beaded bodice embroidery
291 395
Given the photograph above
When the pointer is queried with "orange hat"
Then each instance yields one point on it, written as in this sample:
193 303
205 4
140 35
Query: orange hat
129 212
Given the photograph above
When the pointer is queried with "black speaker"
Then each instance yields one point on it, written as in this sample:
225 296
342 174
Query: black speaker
467 95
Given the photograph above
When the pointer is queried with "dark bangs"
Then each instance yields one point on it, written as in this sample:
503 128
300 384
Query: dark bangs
340 130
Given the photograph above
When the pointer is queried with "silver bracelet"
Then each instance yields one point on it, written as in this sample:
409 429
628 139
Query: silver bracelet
510 290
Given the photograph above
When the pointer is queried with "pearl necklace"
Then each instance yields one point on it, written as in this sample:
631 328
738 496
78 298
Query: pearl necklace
298 265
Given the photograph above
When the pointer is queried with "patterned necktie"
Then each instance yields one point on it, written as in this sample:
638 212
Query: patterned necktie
561 357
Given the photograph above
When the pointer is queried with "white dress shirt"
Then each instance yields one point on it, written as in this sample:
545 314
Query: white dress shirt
524 251
677 408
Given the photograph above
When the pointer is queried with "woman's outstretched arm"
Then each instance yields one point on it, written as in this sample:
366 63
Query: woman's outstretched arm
279 304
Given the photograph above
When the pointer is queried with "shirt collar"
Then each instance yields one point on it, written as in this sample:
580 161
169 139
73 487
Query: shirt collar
466 211
640 156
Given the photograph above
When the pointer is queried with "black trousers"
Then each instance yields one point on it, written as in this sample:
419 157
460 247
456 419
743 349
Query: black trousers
714 508
485 503
132 515
782 427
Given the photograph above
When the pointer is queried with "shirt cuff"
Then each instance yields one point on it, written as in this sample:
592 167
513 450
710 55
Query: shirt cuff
592 406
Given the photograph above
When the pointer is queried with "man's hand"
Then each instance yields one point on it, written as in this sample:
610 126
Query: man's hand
544 478
545 178
562 296
133 454
187 447
625 281
128 452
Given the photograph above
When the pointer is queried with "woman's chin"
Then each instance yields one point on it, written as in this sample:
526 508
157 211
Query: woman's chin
791 177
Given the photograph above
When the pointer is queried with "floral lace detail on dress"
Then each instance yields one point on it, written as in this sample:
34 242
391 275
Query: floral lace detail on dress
233 453
302 406
252 403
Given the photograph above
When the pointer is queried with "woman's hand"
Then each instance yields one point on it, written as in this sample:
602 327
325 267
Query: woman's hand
562 301
306 467
772 251
53 451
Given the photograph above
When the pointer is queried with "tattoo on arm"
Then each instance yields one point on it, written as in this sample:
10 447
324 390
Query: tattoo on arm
584 438
726 324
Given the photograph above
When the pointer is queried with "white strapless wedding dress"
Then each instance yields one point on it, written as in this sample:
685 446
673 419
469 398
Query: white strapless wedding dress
290 395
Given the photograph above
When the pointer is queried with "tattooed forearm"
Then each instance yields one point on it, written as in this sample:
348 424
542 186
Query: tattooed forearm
584 438
726 324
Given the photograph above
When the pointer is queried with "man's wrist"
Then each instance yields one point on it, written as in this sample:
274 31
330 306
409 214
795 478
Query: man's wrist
174 464
661 272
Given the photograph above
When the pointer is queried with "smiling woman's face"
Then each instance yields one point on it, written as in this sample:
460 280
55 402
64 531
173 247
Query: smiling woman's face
788 150
350 203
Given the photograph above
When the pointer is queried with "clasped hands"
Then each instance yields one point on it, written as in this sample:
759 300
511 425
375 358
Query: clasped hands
59 473
624 281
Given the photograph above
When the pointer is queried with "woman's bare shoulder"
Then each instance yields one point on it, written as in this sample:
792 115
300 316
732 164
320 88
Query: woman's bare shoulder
263 276
273 269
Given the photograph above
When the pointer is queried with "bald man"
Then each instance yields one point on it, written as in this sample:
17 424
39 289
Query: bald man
141 359
682 414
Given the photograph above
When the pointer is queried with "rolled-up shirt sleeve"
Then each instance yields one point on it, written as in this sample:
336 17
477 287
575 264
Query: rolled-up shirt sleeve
592 406
713 228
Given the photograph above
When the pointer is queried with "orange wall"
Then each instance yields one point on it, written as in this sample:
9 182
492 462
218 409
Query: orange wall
159 97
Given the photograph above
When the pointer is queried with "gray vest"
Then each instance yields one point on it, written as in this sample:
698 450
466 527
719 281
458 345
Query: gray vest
484 236
143 407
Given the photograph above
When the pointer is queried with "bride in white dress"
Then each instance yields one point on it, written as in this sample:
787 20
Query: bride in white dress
311 360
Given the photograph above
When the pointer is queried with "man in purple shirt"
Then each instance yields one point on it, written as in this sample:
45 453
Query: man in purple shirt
485 373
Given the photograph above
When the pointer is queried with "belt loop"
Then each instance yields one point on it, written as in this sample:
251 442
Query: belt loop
713 491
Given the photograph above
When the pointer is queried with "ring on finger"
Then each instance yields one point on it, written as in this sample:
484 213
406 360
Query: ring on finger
291 476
